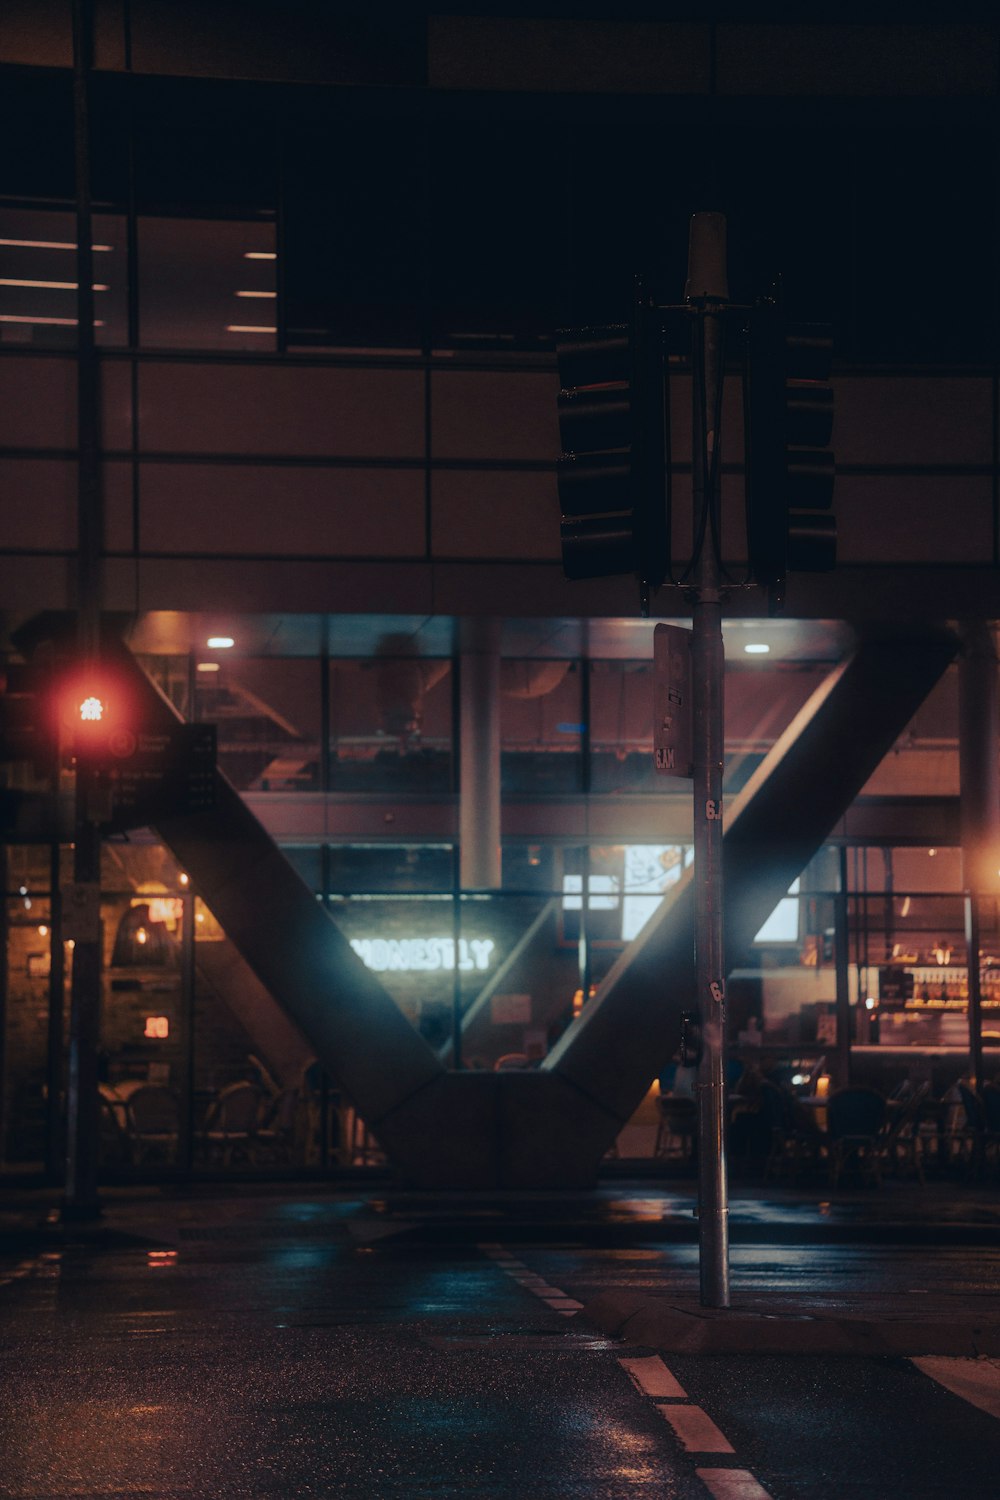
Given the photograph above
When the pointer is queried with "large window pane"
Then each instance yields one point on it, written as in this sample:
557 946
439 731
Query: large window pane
390 725
371 869
207 284
621 727
517 986
541 731
354 231
411 944
38 280
267 712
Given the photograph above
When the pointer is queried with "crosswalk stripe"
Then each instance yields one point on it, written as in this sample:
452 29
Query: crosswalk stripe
652 1377
695 1428
732 1484
975 1380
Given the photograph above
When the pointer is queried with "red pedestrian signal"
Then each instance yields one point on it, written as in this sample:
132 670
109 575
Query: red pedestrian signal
91 709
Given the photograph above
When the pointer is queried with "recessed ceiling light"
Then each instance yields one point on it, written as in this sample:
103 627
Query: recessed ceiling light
256 294
260 255
57 286
756 648
58 322
49 245
208 666
248 328
220 642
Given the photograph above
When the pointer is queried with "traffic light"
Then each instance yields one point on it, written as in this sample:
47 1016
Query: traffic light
788 411
96 719
612 475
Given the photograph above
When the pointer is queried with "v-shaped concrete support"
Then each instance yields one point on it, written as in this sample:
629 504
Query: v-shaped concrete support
548 1128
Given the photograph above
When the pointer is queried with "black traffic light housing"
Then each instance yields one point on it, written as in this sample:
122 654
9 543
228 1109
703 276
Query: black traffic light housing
788 412
28 729
612 476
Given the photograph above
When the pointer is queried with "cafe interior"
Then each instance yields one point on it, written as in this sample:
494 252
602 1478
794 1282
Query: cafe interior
342 736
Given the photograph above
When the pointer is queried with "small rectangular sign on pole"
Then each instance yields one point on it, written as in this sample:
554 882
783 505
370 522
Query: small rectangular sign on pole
673 734
163 773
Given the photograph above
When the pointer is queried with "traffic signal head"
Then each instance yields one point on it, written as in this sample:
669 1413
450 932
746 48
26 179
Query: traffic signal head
95 714
611 475
788 408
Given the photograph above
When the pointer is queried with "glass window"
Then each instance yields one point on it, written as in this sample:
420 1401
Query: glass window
411 945
354 231
517 980
27 868
28 970
38 279
267 714
621 727
207 284
541 728
172 675
363 869
909 964
499 207
930 868
390 725
307 862
531 867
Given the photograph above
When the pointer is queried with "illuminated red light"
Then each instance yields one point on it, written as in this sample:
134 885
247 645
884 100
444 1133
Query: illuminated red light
157 1027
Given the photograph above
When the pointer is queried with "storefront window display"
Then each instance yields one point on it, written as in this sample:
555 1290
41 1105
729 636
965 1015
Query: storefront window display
184 1026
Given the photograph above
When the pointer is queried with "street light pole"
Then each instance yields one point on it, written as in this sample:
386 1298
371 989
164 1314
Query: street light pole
707 294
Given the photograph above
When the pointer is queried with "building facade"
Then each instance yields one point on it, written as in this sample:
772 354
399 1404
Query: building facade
330 252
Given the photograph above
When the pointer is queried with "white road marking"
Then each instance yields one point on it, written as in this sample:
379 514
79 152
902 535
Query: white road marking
975 1380
695 1428
732 1484
652 1377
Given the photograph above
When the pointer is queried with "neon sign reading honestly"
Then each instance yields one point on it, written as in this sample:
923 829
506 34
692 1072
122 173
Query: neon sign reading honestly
407 955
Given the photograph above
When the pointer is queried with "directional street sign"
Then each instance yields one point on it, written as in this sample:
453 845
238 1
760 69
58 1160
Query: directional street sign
161 773
672 723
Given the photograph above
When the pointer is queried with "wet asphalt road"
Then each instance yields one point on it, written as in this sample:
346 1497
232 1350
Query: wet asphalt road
301 1346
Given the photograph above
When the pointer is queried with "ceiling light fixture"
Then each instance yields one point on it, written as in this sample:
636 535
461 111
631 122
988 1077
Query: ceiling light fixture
220 642
757 648
58 286
256 294
208 666
257 254
49 245
248 328
54 322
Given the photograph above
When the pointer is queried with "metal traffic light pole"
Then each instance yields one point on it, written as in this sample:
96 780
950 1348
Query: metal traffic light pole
80 1199
707 293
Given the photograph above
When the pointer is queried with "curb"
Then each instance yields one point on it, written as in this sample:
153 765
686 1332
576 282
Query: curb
681 1326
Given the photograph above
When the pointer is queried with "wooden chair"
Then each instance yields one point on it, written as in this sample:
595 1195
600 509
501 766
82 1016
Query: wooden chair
152 1115
230 1129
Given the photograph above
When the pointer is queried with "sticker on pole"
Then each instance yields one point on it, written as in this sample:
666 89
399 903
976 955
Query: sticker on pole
81 912
673 735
